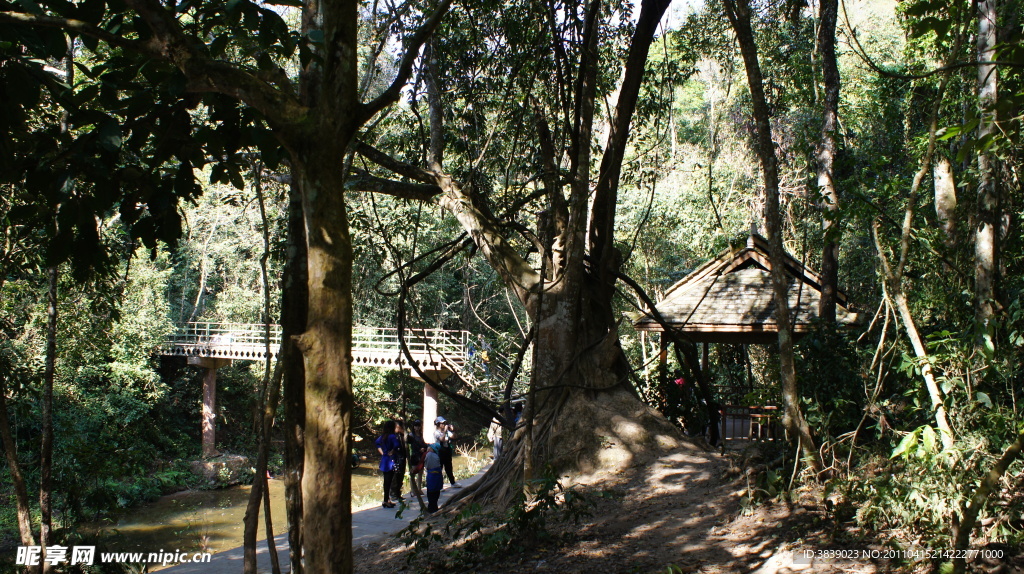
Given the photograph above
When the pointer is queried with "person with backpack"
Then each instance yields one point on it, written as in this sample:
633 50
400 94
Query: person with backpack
435 480
388 446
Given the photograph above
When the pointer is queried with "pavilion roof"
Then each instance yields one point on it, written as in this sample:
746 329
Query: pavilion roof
729 299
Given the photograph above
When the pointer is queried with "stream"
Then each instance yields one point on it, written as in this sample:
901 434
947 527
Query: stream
211 520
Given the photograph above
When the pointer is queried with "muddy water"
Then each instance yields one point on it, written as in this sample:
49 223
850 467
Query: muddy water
211 520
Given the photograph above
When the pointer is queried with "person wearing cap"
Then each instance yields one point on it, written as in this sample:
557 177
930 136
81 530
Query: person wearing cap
435 480
444 432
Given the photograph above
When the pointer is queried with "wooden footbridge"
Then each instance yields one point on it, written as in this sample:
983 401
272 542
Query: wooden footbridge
431 349
438 353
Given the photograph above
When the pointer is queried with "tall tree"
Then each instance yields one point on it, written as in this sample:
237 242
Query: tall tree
739 14
986 233
828 11
580 380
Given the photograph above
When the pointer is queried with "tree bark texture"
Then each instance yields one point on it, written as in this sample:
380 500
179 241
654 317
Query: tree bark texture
294 304
945 198
739 14
327 355
826 157
986 233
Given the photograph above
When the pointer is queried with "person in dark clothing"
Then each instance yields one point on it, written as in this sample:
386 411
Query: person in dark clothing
417 450
400 456
388 445
443 434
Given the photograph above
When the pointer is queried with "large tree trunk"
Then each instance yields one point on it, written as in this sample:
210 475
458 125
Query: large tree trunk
583 418
327 355
826 156
294 302
738 12
986 232
581 415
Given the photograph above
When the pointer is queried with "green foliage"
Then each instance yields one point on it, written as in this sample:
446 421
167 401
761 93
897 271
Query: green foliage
830 378
108 391
766 486
922 485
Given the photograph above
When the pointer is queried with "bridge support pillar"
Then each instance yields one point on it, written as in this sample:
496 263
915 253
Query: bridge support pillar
209 400
429 410
430 394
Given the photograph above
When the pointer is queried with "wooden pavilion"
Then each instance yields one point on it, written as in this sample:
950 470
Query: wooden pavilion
730 299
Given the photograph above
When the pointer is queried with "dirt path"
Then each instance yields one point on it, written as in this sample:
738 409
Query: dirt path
680 513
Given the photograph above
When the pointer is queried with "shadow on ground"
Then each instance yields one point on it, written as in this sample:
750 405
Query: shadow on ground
681 511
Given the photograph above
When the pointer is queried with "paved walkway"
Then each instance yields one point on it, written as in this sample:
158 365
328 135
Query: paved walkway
369 524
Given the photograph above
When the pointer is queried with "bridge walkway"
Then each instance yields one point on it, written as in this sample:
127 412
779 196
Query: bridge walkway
431 349
440 354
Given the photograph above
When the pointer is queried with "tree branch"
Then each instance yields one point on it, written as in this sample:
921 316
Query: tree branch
387 162
362 181
606 190
859 50
962 533
515 271
79 27
208 75
415 42
170 44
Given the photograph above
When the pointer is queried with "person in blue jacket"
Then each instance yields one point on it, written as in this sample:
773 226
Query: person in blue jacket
435 480
389 447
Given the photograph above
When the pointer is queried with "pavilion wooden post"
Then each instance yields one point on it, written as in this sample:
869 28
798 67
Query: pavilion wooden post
663 360
209 400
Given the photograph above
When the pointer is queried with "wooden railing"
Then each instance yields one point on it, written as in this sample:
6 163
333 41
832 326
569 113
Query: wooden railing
430 348
437 350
